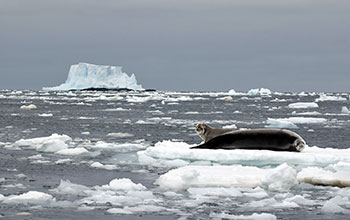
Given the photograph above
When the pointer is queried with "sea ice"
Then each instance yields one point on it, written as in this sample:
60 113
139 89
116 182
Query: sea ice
261 91
120 135
31 198
297 120
72 151
319 176
31 106
345 110
279 123
303 105
276 179
53 143
254 216
126 147
323 97
84 75
68 188
165 153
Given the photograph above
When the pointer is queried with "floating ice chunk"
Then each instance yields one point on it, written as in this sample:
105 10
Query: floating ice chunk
52 146
136 209
279 123
230 126
73 151
31 106
30 198
261 91
103 166
225 98
319 176
334 205
303 105
167 151
127 147
219 191
120 135
323 97
45 115
124 211
254 216
84 75
280 178
299 120
68 188
46 144
228 176
123 184
345 110
300 200
306 113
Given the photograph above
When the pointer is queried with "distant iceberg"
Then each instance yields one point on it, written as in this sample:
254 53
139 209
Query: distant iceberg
85 75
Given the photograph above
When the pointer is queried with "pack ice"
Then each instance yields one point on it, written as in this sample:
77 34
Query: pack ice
85 75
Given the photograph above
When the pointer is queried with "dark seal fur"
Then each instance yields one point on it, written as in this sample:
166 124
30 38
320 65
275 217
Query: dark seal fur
256 139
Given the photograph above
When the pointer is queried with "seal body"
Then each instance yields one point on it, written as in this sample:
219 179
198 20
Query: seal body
207 132
256 139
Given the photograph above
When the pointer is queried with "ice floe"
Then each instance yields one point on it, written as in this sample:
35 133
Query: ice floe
324 97
276 179
345 110
170 153
303 105
31 106
29 198
254 216
279 123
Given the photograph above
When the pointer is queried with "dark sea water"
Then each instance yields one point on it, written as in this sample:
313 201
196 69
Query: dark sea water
146 119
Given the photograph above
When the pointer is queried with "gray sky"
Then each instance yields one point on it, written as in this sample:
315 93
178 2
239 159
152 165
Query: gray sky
284 45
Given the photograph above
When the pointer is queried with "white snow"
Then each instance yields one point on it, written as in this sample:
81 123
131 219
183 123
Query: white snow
261 91
84 75
303 105
277 179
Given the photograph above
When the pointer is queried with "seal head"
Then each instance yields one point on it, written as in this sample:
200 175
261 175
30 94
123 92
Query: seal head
207 132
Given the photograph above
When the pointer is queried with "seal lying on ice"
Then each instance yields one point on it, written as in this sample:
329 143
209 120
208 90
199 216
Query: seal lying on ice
256 139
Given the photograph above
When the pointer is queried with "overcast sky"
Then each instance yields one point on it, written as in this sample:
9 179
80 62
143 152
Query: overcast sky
284 45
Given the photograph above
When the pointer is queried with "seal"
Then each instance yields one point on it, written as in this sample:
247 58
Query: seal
256 139
207 132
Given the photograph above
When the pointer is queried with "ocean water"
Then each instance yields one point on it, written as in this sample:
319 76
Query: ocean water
105 153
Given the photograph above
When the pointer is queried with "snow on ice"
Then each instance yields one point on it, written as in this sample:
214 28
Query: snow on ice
84 75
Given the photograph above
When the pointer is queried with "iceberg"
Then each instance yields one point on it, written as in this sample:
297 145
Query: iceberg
85 75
